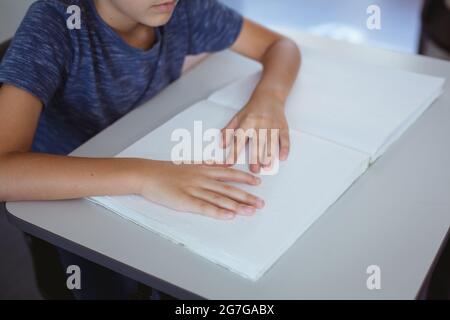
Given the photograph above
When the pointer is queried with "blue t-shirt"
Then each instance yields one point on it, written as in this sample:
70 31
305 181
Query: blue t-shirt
88 78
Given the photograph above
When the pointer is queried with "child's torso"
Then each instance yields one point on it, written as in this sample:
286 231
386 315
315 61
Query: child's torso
106 78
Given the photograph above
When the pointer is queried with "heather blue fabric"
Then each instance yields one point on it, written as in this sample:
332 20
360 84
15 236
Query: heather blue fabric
89 78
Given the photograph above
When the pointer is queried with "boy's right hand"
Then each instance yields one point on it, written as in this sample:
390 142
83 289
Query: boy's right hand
202 189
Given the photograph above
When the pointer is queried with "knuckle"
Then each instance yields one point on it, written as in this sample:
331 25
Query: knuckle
234 206
249 198
216 198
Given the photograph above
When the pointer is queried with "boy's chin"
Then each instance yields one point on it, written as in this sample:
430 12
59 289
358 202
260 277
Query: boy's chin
158 21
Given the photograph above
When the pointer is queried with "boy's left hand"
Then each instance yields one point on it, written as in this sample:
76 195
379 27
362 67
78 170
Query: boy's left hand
263 111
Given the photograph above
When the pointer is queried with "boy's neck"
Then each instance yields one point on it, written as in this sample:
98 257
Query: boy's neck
131 31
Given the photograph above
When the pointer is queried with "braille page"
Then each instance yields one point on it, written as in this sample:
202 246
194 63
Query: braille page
317 173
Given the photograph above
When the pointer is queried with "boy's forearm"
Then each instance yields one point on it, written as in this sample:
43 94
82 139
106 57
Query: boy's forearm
281 66
33 176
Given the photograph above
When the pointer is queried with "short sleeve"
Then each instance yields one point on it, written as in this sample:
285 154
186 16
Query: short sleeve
38 57
212 26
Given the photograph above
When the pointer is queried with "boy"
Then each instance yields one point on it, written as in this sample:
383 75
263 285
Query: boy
62 86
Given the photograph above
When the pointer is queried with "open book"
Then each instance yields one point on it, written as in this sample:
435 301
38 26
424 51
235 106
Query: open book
343 116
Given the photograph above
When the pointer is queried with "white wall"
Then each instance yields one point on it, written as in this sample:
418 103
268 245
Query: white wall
342 19
11 14
401 18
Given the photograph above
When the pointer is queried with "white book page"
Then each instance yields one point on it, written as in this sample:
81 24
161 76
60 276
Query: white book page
354 104
314 177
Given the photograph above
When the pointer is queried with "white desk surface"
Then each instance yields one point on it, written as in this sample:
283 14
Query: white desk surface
396 216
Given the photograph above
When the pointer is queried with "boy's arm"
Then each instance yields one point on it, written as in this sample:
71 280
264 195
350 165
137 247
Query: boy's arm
281 59
279 55
34 176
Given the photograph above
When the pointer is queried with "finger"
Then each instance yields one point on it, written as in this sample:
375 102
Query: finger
233 175
224 202
255 168
240 140
228 132
262 141
272 148
285 144
236 194
253 160
207 209
267 159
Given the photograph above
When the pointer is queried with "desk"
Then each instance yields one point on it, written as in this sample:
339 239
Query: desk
396 216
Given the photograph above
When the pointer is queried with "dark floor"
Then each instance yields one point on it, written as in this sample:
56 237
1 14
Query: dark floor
16 272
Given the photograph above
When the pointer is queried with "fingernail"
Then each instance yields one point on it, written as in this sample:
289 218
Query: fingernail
261 203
